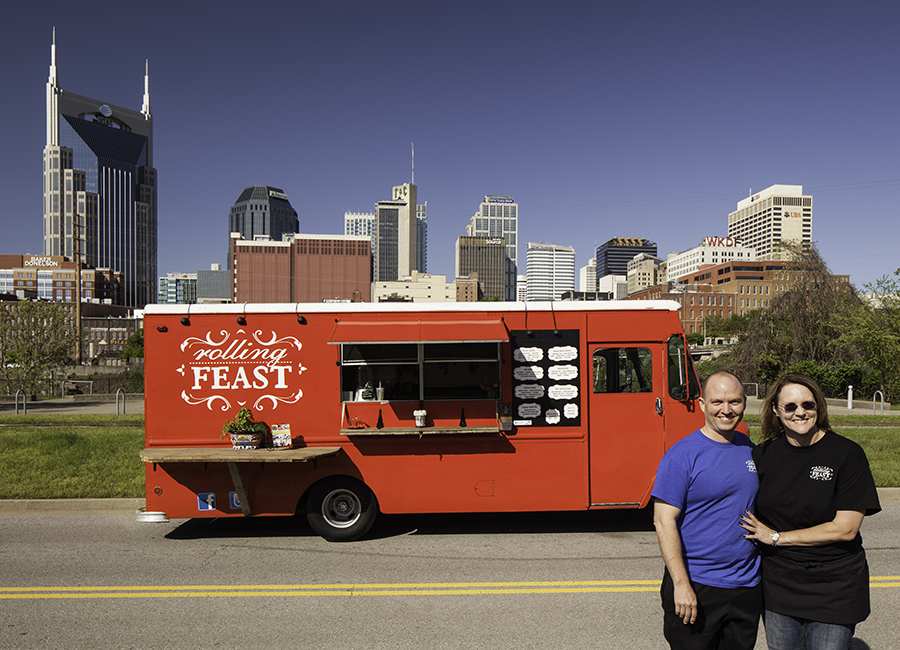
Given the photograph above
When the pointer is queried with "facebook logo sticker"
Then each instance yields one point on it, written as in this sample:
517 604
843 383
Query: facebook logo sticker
206 501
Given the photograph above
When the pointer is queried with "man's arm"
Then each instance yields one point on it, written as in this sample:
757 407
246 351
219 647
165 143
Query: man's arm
665 519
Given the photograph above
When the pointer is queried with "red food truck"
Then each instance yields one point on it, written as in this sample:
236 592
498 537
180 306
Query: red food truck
412 408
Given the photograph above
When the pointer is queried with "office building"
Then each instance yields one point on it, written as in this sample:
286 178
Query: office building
550 270
498 217
396 235
213 285
360 223
420 287
644 271
612 257
614 287
712 250
422 237
302 268
468 289
587 277
43 277
521 287
262 212
99 187
177 289
485 256
780 213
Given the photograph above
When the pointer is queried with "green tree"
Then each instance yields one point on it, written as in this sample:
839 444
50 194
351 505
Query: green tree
800 325
872 328
134 346
35 338
695 338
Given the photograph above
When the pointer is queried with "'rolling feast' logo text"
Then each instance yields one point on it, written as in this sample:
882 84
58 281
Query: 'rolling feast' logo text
230 365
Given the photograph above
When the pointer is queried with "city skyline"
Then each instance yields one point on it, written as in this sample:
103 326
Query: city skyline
602 120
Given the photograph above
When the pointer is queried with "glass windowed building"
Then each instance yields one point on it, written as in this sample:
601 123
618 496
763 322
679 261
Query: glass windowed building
498 217
262 212
99 187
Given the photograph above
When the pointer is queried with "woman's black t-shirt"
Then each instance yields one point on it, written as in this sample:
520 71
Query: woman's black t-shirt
801 487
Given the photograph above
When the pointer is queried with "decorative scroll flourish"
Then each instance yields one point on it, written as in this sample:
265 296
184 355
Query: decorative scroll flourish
292 340
193 401
191 340
275 400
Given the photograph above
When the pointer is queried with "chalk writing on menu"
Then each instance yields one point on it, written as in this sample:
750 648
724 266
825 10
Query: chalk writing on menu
546 378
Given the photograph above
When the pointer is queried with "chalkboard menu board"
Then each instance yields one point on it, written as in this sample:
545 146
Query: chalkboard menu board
546 382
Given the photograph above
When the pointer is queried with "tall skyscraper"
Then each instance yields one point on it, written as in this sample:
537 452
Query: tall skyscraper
550 271
396 234
100 186
779 213
613 256
262 212
498 216
485 256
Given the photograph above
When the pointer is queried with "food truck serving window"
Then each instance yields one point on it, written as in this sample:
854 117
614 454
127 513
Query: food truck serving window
420 371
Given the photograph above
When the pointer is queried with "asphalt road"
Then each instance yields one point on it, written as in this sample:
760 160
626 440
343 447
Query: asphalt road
584 580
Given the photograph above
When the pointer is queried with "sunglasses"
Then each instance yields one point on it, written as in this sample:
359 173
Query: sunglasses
790 407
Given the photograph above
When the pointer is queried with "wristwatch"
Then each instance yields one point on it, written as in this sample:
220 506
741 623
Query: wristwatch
775 538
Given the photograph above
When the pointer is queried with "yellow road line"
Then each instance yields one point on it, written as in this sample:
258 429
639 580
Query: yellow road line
372 589
349 590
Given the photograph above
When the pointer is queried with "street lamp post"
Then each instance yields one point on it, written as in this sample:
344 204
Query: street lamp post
77 218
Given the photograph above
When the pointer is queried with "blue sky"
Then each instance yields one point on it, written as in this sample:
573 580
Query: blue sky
602 119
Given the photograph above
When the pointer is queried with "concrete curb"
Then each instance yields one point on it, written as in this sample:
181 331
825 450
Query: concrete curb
36 507
33 507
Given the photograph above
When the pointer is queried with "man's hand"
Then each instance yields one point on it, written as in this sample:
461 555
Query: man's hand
686 603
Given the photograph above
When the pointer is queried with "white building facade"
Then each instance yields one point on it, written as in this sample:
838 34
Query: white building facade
780 213
419 287
712 250
587 276
550 271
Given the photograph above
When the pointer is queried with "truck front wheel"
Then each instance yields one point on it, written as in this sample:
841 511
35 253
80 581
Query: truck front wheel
341 509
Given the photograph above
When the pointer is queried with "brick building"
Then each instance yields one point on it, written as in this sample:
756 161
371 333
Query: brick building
302 268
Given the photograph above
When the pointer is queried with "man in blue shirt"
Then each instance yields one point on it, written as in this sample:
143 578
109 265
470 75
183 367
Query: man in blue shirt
711 592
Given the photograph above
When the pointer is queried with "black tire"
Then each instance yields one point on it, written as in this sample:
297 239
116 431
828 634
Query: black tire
341 509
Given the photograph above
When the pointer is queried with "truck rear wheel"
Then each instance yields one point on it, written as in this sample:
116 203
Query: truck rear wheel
341 509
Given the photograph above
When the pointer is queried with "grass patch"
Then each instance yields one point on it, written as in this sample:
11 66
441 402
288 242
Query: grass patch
882 448
839 421
881 443
71 462
96 456
66 420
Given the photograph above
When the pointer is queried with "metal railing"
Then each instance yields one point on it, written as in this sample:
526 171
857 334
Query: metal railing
881 395
24 401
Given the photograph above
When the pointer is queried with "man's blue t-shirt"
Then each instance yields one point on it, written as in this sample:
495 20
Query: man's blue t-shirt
712 483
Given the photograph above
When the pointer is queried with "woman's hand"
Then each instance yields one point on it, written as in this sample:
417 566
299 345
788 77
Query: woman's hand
756 530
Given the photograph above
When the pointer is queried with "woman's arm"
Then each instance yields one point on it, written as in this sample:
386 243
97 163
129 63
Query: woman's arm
843 528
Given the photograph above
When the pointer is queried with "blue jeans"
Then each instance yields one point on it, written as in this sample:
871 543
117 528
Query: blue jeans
790 633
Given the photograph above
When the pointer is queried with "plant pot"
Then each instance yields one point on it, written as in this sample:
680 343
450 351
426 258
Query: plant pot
246 440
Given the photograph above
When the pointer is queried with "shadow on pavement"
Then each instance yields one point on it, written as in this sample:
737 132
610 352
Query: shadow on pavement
386 526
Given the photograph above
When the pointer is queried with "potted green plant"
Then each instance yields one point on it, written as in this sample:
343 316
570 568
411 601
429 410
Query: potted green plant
244 430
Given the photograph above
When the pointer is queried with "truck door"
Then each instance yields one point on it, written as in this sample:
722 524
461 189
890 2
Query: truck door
626 421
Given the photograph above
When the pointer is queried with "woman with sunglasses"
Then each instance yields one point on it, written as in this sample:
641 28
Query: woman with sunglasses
815 487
